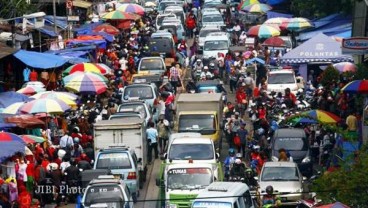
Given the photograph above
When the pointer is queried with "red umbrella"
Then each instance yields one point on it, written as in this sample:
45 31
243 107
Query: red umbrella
334 205
107 28
274 41
124 24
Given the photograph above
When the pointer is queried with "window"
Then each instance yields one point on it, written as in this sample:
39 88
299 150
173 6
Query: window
281 78
191 151
241 201
247 199
115 160
151 64
216 45
293 144
112 195
142 92
280 174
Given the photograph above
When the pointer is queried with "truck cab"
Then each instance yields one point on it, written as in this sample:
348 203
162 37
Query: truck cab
181 183
215 43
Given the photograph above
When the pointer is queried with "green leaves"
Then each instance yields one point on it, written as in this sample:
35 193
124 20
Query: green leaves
318 8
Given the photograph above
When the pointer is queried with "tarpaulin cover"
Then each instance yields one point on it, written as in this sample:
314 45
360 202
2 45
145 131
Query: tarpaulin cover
87 40
10 97
275 2
61 22
39 60
26 121
75 57
86 28
271 14
320 48
106 36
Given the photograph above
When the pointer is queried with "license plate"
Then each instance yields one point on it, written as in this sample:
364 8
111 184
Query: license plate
117 176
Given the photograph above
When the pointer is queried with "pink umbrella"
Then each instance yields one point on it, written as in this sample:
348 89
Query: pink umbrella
345 67
247 54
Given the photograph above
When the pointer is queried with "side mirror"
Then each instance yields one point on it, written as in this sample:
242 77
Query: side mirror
304 178
217 155
164 157
92 162
139 160
256 178
158 182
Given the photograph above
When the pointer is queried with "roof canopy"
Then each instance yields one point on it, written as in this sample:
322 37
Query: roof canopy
320 48
40 60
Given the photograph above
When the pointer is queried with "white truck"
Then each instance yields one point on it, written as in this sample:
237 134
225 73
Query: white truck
128 132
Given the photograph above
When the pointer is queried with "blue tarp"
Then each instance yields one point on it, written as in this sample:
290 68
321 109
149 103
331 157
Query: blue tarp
48 31
275 2
271 14
39 60
345 34
106 36
99 43
87 27
61 22
10 97
75 57
320 48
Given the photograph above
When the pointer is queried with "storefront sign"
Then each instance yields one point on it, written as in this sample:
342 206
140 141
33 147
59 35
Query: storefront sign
319 51
355 45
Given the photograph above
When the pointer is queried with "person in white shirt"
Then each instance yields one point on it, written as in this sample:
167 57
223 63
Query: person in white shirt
152 136
66 141
242 38
205 75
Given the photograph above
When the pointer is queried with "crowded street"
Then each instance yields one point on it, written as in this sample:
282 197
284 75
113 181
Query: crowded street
183 104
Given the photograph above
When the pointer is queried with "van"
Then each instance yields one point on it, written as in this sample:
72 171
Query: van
215 43
161 18
279 80
212 18
178 11
145 92
226 195
163 43
296 143
205 31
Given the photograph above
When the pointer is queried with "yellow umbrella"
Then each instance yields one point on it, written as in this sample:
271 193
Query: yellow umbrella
56 94
13 108
66 99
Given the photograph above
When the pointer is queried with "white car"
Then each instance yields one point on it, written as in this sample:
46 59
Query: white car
160 18
215 43
286 180
279 80
205 31
212 18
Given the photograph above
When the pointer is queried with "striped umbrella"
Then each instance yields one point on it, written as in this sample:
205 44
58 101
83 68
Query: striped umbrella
66 99
31 139
322 116
120 15
345 67
107 28
298 23
13 108
106 68
84 67
58 95
247 3
132 8
45 105
10 144
86 82
257 8
356 86
278 21
264 31
31 90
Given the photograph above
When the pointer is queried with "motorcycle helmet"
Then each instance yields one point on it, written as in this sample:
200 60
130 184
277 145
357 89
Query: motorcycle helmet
238 155
269 190
231 152
238 161
76 140
249 173
256 147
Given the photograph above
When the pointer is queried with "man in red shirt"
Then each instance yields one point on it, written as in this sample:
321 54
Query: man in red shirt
241 100
289 98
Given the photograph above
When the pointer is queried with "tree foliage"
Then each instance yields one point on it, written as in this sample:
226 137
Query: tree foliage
15 8
348 184
318 8
330 75
361 73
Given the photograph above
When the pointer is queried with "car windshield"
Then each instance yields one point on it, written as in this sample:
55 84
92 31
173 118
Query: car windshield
119 116
189 178
133 108
280 174
208 89
191 151
111 195
204 33
160 19
292 144
216 45
151 64
281 78
116 160
204 124
142 92
211 204
212 18
160 45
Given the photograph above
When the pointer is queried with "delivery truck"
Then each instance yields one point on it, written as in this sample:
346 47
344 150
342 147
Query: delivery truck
200 113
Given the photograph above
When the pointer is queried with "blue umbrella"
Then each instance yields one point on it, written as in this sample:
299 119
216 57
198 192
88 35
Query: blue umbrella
10 144
10 97
251 61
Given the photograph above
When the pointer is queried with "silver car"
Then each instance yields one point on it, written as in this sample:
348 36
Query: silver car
286 180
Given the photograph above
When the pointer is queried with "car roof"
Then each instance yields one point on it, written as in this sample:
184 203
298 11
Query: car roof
189 165
216 190
185 135
192 140
120 121
208 83
151 57
280 164
287 133
211 12
174 7
282 71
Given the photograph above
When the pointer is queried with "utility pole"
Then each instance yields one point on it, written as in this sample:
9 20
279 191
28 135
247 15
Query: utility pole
54 11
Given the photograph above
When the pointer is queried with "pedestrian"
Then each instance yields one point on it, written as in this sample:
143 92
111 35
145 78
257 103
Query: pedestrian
163 134
174 77
152 136
243 133
66 141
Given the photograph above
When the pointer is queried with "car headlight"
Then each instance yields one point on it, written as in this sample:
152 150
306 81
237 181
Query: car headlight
306 160
169 205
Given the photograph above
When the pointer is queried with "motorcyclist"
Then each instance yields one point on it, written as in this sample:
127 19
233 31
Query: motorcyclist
289 98
84 162
191 87
229 160
270 199
249 178
206 74
238 169
72 177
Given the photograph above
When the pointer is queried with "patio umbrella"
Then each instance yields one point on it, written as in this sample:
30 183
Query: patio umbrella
10 144
31 90
298 23
45 105
131 8
120 15
32 139
26 121
106 68
345 67
277 21
322 116
334 205
86 82
264 31
247 3
257 8
84 67
10 97
58 94
253 60
66 99
302 120
356 87
107 28
13 108
274 41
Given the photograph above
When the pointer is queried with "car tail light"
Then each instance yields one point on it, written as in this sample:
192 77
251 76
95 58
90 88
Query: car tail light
132 175
173 54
